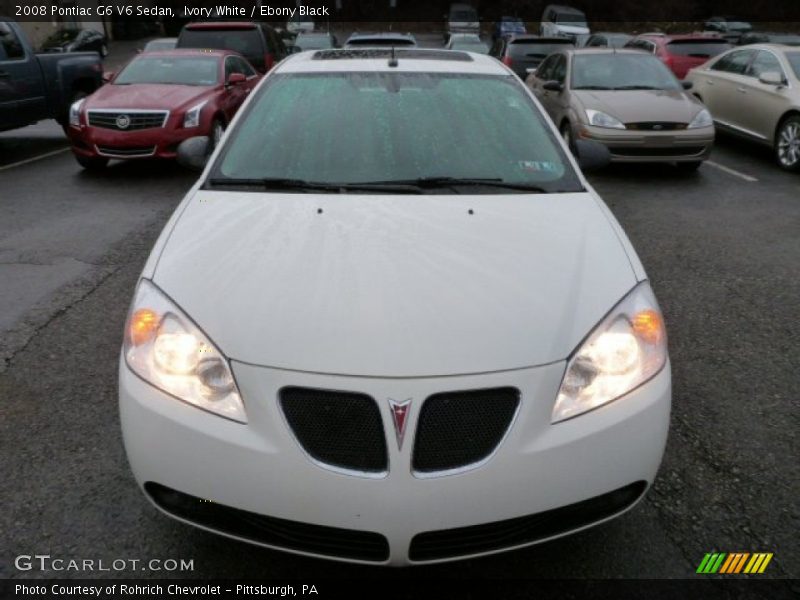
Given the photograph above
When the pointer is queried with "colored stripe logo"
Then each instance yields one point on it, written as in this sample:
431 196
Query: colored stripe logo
733 563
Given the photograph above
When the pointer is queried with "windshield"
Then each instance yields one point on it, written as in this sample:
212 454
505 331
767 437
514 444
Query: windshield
576 19
313 42
794 60
698 48
620 72
519 49
363 127
160 45
478 47
183 70
246 42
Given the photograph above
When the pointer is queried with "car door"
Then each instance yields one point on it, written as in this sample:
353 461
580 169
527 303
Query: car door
22 91
719 85
762 104
554 102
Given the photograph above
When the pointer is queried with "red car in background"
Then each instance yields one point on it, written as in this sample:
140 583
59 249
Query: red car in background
680 52
158 100
257 42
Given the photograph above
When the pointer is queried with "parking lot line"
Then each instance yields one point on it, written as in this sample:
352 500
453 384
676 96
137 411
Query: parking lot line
33 159
730 171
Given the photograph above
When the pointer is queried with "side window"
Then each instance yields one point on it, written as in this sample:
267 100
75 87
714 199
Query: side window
229 68
560 69
244 67
649 47
764 62
735 62
544 72
10 44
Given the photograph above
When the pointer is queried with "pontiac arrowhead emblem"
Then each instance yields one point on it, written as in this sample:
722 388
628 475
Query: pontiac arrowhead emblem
400 412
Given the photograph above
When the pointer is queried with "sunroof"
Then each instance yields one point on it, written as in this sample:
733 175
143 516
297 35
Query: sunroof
400 53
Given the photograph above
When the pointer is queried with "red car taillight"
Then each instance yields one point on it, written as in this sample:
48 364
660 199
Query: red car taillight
507 61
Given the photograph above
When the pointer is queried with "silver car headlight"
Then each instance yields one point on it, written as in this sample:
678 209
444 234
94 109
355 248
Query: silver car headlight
701 119
75 112
625 350
166 349
601 119
192 116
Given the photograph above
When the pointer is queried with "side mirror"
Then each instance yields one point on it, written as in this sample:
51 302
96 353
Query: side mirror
592 155
687 85
771 78
108 76
236 79
193 152
553 86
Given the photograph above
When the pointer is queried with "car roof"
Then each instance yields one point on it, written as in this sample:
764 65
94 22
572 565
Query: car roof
175 52
420 60
530 37
222 25
601 50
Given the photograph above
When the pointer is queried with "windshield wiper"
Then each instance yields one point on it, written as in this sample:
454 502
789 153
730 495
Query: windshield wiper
593 87
439 182
283 183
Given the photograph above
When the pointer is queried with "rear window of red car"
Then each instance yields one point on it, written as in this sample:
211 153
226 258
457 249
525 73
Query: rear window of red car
698 48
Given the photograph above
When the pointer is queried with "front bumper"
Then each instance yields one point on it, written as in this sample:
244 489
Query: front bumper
686 145
260 468
161 142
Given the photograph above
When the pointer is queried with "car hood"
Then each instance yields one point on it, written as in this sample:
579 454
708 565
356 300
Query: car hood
635 106
394 286
146 96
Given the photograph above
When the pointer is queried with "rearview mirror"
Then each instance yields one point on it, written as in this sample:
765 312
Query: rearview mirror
553 86
592 155
236 78
687 85
771 78
193 152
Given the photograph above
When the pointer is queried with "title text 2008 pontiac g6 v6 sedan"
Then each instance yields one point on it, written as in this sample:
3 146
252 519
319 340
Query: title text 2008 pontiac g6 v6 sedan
392 323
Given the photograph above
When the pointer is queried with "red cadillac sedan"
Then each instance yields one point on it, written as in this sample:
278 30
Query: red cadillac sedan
158 100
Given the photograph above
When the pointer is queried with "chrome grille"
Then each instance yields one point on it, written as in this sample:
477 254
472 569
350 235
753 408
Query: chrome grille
137 120
126 151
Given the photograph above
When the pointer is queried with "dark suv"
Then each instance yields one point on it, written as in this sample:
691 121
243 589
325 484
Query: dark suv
522 52
257 42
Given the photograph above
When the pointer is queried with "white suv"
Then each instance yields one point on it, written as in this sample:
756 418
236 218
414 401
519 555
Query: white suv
563 21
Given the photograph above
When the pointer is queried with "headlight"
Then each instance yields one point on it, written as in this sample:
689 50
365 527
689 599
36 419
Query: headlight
192 116
167 350
601 119
625 350
75 113
702 119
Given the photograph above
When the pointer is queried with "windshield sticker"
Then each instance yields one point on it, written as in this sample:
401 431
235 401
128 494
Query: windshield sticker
538 166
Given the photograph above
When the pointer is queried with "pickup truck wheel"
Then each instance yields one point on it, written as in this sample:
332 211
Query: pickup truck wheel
91 163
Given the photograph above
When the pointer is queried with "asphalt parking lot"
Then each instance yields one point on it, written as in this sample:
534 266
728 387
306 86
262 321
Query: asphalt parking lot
721 247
